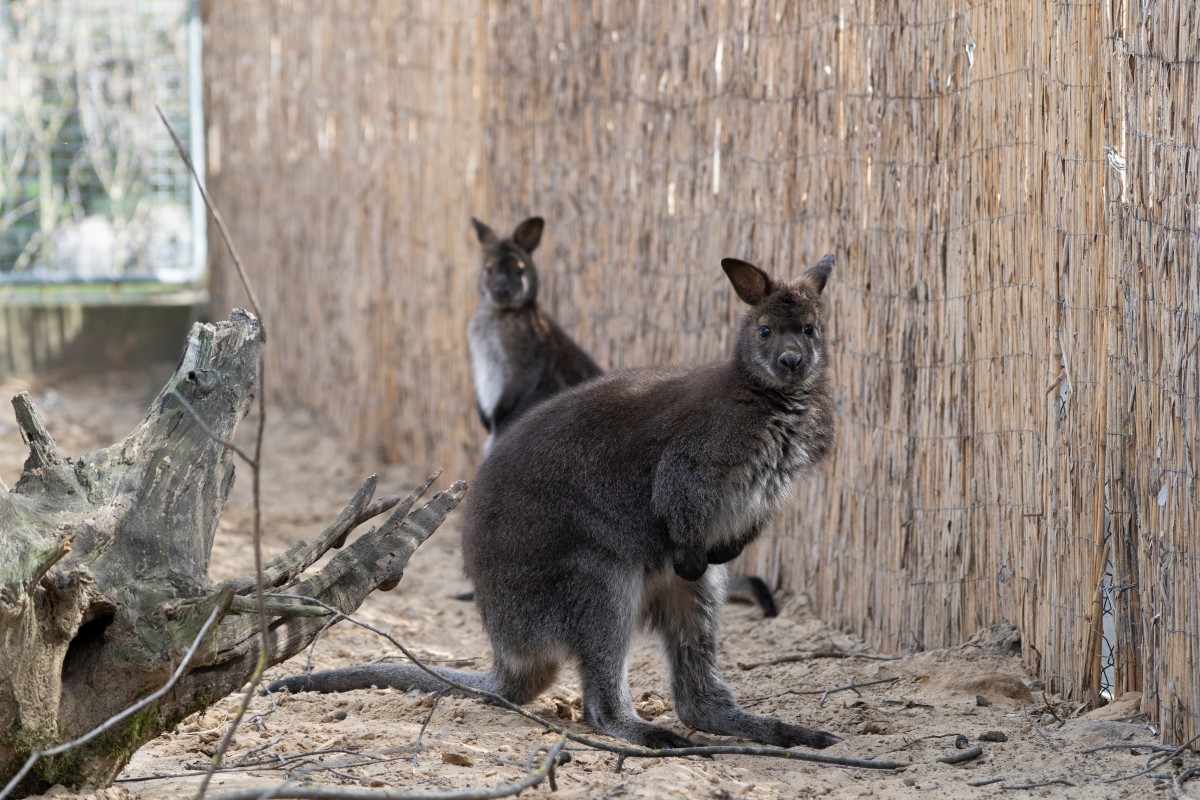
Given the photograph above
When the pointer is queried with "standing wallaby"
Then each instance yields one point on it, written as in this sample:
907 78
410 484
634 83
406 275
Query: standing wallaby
606 505
519 355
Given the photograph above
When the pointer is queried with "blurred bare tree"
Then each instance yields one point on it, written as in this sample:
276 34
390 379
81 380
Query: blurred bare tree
90 188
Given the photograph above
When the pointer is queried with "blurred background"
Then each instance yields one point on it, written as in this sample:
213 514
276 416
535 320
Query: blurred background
1011 190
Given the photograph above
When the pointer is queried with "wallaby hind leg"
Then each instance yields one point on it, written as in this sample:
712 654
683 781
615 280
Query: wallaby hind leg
685 615
521 678
603 651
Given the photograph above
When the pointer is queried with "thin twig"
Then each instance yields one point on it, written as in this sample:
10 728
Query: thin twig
1050 708
37 755
911 742
1182 777
1039 731
622 751
310 769
1153 763
255 750
312 647
849 687
421 733
794 657
987 781
1038 784
237 259
1153 746
543 772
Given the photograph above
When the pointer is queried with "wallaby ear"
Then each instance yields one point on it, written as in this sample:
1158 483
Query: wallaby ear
486 235
818 275
529 233
750 282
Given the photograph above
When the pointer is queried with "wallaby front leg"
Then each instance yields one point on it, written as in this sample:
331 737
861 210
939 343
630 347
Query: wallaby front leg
683 507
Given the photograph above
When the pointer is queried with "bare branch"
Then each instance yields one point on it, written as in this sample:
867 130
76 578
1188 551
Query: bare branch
237 259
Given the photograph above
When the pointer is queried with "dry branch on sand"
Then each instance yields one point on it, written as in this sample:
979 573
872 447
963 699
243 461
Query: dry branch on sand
104 572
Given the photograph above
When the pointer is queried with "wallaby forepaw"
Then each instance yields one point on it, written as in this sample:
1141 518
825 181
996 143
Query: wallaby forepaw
690 564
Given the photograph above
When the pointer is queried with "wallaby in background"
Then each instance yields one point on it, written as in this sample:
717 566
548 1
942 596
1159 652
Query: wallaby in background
613 503
520 357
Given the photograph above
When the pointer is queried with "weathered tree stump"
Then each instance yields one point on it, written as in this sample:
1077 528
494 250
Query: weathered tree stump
104 571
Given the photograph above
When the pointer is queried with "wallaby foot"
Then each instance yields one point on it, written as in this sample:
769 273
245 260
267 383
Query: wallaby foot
608 709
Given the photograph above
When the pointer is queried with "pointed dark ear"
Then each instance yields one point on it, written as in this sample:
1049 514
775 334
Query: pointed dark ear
529 233
486 235
750 282
818 275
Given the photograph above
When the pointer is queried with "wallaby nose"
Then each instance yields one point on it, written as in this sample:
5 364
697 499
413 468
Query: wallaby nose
791 361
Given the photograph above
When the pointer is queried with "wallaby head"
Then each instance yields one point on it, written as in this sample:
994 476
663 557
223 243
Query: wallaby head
508 278
781 340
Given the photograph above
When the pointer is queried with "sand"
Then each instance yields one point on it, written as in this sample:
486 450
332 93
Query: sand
908 707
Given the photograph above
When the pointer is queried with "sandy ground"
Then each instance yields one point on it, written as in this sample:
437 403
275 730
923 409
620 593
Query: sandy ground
911 708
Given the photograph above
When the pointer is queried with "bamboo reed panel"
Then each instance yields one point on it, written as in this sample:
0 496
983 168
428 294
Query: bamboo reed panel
1154 422
344 150
1014 319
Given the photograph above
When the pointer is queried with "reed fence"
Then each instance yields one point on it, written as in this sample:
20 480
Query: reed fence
1011 191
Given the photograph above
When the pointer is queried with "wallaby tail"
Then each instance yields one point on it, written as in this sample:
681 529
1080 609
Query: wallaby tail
397 676
752 588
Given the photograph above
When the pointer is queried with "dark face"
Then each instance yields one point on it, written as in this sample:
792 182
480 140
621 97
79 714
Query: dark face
782 340
508 277
781 343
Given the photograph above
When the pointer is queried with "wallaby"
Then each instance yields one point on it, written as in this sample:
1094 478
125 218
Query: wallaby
615 502
520 357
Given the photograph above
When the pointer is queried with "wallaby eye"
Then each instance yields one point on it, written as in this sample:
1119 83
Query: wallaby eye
809 330
764 332
520 270
487 270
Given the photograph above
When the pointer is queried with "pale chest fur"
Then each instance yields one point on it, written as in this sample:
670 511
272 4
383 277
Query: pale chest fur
491 364
784 447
